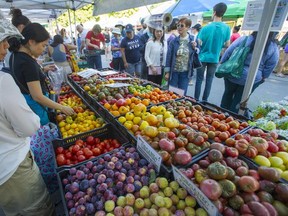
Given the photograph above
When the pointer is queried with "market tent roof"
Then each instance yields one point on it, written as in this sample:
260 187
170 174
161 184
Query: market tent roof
233 10
108 6
45 4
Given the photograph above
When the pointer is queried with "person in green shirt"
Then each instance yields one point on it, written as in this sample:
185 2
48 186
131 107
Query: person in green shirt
212 38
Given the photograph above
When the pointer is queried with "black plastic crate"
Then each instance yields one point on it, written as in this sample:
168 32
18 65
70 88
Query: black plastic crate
63 173
108 131
225 111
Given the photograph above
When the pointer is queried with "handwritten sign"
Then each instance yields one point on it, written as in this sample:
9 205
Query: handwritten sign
149 153
176 90
194 191
117 85
87 73
106 73
121 78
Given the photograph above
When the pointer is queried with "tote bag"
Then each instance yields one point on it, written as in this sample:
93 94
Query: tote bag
233 67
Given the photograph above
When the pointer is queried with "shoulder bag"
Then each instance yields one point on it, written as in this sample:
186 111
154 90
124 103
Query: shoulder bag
233 67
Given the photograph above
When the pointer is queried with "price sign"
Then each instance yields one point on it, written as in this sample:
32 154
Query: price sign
117 85
121 78
194 191
87 73
149 153
106 73
176 90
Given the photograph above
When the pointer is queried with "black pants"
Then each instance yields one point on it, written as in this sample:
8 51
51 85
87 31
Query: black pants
118 64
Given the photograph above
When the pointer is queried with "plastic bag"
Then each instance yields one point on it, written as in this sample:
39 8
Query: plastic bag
56 79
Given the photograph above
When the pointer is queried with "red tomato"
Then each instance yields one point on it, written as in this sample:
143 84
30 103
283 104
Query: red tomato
68 155
110 149
87 152
90 140
61 160
117 145
79 142
74 157
75 148
59 150
96 151
81 158
79 153
232 152
97 140
68 162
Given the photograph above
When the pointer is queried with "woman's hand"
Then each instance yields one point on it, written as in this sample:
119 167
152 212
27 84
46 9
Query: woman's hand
126 65
96 47
51 67
67 110
153 69
194 44
167 76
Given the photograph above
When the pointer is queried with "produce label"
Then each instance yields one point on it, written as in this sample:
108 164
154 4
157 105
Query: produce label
87 73
117 85
194 191
176 90
121 78
106 73
149 153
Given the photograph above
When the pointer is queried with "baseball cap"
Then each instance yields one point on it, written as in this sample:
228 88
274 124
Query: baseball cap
197 26
129 28
116 31
7 29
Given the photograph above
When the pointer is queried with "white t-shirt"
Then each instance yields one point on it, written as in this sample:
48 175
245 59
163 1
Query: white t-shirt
153 51
83 34
17 123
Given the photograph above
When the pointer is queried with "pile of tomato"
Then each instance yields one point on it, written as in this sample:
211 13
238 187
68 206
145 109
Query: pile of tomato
84 150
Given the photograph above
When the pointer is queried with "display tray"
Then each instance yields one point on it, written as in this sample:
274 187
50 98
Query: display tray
91 53
225 111
194 190
88 105
106 132
64 173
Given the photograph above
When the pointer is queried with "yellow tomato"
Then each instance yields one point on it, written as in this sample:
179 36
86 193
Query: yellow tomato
122 119
143 125
128 124
129 116
136 120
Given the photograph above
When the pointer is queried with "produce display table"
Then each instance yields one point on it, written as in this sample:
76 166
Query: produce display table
152 152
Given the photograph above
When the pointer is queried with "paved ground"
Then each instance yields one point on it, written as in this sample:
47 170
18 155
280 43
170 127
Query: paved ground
273 90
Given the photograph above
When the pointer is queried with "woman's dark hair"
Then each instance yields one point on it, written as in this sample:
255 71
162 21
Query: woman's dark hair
18 18
237 28
271 38
173 25
57 39
161 39
33 31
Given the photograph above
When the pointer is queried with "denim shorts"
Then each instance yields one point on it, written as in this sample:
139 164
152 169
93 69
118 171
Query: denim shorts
134 69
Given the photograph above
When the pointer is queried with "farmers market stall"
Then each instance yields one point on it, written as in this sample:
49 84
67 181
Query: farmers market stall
134 148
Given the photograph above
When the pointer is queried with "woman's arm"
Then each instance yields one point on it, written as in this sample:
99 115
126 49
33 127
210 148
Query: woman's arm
71 46
50 51
271 62
148 51
88 43
37 95
22 119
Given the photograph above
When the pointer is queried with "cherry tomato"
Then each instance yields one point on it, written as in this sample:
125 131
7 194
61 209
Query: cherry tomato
90 140
59 150
81 158
75 148
79 142
68 155
96 151
79 153
61 160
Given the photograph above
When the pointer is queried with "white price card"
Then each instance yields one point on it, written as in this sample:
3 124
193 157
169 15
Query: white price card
176 90
193 190
87 73
117 85
106 73
121 78
149 153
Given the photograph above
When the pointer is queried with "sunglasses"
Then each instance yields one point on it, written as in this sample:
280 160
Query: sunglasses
180 26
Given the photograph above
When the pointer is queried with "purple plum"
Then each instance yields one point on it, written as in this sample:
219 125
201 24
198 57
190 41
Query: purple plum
137 177
100 213
90 209
108 195
101 178
118 165
99 205
110 165
123 171
130 179
92 182
68 196
101 161
122 177
80 174
72 211
126 165
130 188
131 173
110 173
118 211
90 191
119 185
107 157
89 164
86 170
74 187
72 171
142 171
109 182
137 185
145 180
103 187
65 181
84 184
114 159
80 210
143 162
70 204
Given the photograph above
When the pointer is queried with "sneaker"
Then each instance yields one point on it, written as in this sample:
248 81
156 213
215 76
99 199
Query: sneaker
190 82
279 75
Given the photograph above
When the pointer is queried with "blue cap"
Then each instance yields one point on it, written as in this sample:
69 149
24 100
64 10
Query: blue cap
129 28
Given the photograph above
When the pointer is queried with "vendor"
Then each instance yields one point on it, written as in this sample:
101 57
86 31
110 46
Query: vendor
94 38
22 188
28 74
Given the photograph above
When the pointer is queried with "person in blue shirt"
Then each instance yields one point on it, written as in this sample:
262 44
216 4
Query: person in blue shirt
234 87
212 38
130 49
117 60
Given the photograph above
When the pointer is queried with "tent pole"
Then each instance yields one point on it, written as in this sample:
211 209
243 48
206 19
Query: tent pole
267 17
69 15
